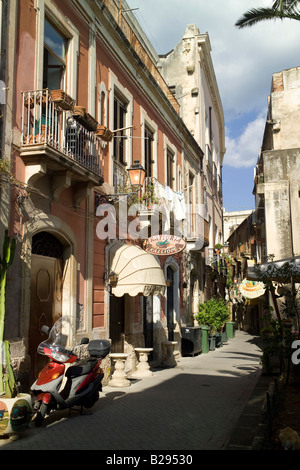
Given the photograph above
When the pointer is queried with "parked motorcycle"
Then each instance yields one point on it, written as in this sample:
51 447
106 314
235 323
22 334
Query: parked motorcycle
67 381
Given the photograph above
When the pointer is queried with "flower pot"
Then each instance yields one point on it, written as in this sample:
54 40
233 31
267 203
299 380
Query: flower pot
84 118
79 111
104 133
15 414
62 99
36 99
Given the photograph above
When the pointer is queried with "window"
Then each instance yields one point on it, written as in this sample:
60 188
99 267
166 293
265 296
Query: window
102 108
170 160
54 58
120 110
191 196
148 142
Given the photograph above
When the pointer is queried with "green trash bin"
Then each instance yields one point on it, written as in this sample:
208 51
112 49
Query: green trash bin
204 338
230 329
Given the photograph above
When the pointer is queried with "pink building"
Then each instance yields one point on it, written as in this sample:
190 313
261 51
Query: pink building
63 169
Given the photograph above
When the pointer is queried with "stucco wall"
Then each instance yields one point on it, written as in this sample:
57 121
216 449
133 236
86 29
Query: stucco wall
281 191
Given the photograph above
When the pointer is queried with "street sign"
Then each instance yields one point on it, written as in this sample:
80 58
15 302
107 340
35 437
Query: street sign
164 245
252 289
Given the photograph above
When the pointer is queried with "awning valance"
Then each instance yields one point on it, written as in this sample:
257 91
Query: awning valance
138 272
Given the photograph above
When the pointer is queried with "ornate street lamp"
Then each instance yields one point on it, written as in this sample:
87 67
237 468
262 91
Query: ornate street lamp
225 249
136 175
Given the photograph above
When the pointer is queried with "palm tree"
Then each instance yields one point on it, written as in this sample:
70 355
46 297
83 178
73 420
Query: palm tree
280 9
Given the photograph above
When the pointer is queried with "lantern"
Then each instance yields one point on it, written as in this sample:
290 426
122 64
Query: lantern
136 175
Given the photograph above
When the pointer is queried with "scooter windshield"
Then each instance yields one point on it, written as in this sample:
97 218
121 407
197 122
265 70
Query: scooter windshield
59 339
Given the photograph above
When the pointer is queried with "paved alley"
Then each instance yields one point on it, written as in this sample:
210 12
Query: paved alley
194 406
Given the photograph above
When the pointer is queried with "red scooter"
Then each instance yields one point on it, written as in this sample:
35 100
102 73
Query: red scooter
67 381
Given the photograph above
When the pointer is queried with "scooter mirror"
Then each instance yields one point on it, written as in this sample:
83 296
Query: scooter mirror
84 341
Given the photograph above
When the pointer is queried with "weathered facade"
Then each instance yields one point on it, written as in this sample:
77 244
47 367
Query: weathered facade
189 72
277 180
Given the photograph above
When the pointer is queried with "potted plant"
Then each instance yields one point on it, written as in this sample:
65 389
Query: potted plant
148 198
84 118
213 313
104 133
218 248
272 342
62 99
15 407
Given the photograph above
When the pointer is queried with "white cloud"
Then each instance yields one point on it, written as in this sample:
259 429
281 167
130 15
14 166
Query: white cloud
244 60
243 151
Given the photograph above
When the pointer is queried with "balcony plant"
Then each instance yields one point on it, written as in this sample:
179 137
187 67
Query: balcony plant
15 407
104 133
218 248
84 118
62 99
148 198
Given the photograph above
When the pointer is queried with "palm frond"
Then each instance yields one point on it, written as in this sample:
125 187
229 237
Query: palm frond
256 15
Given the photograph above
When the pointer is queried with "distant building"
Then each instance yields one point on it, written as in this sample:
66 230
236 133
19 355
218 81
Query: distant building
277 179
231 220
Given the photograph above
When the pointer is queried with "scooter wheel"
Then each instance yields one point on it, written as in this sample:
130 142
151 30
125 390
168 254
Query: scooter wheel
40 415
90 401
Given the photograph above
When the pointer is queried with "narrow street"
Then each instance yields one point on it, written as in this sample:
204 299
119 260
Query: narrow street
194 406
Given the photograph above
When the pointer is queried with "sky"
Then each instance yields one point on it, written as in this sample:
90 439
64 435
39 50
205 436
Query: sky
244 61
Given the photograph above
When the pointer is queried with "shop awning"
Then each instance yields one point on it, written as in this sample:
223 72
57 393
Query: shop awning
137 272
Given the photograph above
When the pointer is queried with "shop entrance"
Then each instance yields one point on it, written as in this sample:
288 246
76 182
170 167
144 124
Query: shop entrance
117 323
170 303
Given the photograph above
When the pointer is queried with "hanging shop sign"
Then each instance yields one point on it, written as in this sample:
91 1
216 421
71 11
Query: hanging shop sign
163 245
252 289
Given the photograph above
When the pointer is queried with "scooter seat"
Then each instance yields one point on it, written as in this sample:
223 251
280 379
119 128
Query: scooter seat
81 368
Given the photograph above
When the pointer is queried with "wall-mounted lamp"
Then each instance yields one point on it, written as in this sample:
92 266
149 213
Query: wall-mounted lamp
225 248
113 278
136 175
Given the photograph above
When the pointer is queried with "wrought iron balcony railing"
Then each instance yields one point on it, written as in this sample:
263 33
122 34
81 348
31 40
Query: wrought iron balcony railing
46 123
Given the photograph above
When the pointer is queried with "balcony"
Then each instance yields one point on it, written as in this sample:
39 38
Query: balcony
215 261
54 142
197 235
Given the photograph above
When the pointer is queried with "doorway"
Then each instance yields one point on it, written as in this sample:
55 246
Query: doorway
45 294
117 323
170 303
148 322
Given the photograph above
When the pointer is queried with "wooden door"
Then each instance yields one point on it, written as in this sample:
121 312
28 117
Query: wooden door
117 323
45 304
170 303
